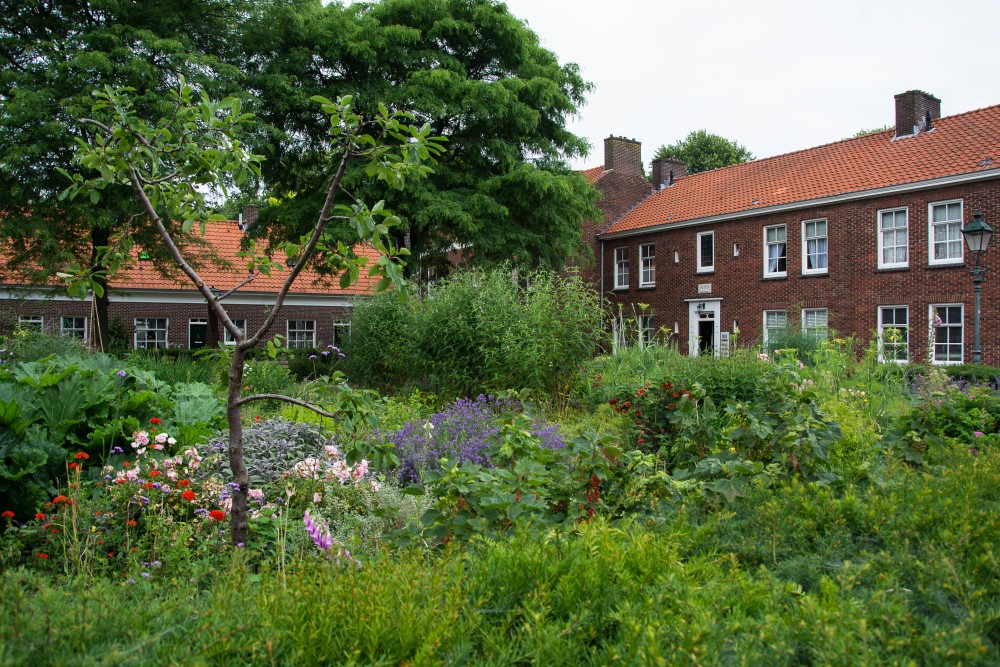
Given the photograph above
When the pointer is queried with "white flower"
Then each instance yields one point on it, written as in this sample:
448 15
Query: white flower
317 497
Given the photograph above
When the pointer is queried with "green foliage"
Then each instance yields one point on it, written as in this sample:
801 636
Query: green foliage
703 151
479 332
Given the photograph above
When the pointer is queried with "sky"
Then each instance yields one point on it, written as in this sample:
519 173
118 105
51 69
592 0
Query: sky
774 75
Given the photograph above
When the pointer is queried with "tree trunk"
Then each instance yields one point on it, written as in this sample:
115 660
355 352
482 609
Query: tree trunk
100 325
238 524
212 335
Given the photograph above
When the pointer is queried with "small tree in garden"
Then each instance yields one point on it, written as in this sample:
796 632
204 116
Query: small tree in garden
171 166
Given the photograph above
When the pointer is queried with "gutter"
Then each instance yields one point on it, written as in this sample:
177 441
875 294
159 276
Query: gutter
809 203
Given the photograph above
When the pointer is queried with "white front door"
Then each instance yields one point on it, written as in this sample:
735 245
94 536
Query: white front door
703 328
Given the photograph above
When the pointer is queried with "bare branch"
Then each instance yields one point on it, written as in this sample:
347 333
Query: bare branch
249 279
286 399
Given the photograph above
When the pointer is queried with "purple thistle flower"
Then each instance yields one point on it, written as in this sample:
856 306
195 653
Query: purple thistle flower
312 357
117 450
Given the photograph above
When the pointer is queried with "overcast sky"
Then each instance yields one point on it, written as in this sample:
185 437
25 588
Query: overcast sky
774 75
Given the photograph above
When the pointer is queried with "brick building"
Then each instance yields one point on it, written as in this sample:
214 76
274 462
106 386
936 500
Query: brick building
862 236
160 312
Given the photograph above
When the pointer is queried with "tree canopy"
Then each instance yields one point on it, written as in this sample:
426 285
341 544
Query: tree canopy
471 70
704 151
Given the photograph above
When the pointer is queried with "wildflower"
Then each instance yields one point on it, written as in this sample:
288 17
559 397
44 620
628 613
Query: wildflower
62 499
121 374
155 421
7 514
43 556
218 515
74 466
184 483
155 473
978 434
40 516
130 581
146 575
117 450
127 464
256 494
257 418
319 536
312 357
81 455
325 352
131 522
317 497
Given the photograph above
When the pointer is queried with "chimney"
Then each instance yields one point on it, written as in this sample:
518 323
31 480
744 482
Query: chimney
249 216
623 155
915 110
666 171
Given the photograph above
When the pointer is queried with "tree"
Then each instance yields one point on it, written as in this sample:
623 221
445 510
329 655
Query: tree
169 164
52 54
471 70
703 151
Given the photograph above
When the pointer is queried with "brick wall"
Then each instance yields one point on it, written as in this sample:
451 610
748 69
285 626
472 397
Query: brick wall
852 289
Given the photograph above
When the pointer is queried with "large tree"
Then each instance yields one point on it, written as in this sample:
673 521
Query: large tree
702 151
471 70
53 53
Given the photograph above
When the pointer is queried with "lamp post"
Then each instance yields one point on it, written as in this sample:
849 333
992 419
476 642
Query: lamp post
977 236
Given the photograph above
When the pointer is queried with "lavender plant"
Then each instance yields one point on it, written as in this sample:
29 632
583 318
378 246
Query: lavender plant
460 433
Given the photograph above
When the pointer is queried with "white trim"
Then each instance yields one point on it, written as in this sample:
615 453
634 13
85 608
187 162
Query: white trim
31 322
880 327
880 241
621 262
40 293
805 247
699 268
932 344
765 328
713 306
228 338
86 325
826 324
776 274
812 203
652 265
165 330
930 234
288 333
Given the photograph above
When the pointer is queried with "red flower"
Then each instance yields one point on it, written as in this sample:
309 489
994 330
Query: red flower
7 514
218 515
155 473
131 522
74 466
111 554
149 485
62 499
670 406
183 483
81 455
188 495
677 395
40 516
155 420
127 464
42 556
256 418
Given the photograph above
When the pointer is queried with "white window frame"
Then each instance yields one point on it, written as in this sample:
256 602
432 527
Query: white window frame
702 266
882 264
819 332
647 265
825 239
933 328
228 338
300 342
766 329
647 332
767 245
73 331
621 268
930 233
31 322
146 328
883 346
618 337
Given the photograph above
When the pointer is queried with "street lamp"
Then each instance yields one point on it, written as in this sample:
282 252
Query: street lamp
977 236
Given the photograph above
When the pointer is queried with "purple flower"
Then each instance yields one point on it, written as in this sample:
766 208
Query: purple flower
130 581
325 352
312 357
117 450
121 374
146 574
234 486
978 434
319 535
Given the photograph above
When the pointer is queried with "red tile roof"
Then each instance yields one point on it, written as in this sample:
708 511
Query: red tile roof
593 175
956 145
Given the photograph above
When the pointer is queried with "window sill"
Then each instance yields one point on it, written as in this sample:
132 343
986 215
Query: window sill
621 289
705 272
775 276
648 286
891 269
946 265
815 274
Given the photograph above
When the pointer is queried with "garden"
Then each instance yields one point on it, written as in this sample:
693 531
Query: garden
485 489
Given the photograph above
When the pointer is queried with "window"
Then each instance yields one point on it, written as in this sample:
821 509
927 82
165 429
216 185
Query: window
706 252
775 327
31 322
946 321
227 337
341 333
74 327
618 340
775 252
893 239
301 333
621 268
647 265
814 246
946 232
814 321
647 333
893 333
151 332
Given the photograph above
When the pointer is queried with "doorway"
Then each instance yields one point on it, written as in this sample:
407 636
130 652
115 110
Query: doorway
197 330
703 330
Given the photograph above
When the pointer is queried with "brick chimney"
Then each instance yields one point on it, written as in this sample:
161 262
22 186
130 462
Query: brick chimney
915 110
666 171
622 155
249 216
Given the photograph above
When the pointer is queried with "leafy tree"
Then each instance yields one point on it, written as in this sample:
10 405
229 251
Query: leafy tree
471 70
167 165
704 151
52 54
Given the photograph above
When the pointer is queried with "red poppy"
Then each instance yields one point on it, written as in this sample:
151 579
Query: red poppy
7 514
155 473
127 464
218 515
188 495
40 516
155 420
81 455
42 556
149 485
183 483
